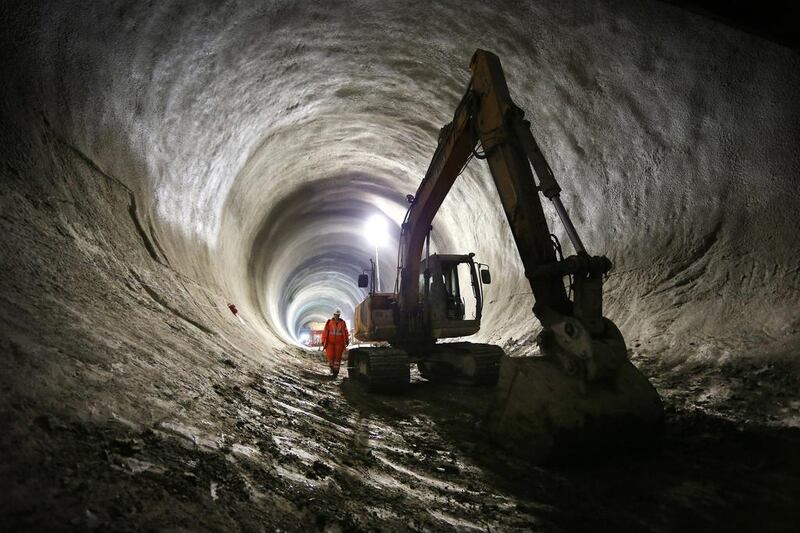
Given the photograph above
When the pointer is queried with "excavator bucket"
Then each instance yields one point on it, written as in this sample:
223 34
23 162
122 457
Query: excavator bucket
542 412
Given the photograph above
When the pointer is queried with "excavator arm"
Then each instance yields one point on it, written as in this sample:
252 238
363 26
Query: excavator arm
487 116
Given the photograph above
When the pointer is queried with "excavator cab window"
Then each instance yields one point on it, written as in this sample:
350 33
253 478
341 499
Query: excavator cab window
456 277
455 304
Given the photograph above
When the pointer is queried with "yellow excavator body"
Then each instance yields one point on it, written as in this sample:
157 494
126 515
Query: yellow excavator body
579 389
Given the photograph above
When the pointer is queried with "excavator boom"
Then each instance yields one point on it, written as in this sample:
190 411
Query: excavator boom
487 115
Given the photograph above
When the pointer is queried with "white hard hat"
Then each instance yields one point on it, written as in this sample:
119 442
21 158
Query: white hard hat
337 312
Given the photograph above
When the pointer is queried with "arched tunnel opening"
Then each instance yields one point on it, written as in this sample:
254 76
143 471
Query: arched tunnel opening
307 255
165 164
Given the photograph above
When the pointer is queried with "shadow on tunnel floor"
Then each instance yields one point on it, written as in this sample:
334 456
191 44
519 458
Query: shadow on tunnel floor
704 472
323 376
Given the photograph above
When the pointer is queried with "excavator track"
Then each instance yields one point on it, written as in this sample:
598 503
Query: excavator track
472 363
379 369
487 364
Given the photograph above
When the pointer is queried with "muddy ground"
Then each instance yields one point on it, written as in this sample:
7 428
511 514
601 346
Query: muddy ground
305 451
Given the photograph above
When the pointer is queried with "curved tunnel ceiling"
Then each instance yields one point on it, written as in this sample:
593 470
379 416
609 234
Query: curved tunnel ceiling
260 138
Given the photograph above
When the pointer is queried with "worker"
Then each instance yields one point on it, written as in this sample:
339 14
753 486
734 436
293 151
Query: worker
334 339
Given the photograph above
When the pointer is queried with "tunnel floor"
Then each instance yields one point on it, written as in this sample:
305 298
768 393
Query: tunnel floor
290 449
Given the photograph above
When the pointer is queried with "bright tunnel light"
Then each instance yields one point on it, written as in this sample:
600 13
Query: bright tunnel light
376 230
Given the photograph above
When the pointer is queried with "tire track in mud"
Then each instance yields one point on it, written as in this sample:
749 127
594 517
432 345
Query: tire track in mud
379 460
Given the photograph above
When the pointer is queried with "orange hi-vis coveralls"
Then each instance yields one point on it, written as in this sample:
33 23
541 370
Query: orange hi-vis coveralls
334 338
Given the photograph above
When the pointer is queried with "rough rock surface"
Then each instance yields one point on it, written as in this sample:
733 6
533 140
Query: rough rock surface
158 162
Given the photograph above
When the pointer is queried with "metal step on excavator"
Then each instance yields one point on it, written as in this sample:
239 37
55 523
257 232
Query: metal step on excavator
582 390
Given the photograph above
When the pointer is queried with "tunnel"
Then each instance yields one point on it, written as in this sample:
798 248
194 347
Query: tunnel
165 164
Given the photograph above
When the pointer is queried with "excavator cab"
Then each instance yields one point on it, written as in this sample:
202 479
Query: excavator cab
450 298
451 294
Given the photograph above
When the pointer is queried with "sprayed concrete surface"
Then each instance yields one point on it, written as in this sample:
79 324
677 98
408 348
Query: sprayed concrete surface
161 161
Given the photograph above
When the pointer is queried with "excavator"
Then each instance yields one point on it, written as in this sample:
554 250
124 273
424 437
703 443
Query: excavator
582 385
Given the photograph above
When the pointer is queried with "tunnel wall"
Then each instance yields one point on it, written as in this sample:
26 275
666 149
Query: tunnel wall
674 138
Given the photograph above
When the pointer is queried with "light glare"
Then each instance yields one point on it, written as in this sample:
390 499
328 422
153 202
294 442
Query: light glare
376 230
